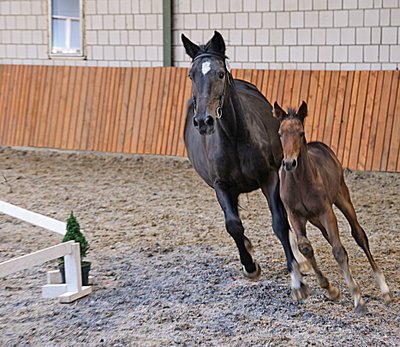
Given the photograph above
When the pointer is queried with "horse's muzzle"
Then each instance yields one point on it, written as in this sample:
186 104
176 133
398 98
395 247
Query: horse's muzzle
204 125
289 164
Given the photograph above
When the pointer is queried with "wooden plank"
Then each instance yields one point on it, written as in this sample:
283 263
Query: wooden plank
100 108
316 123
33 217
14 96
178 130
381 125
173 111
116 115
168 112
138 111
22 105
358 120
345 116
265 83
169 76
338 113
368 114
158 110
330 108
323 106
145 115
131 111
296 89
108 108
84 73
389 121
124 111
350 124
395 140
374 121
34 110
311 103
187 93
288 90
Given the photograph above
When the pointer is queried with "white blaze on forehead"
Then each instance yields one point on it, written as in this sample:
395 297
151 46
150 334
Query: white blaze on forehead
205 67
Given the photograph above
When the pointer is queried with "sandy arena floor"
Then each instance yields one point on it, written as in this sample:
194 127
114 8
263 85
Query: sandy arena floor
167 273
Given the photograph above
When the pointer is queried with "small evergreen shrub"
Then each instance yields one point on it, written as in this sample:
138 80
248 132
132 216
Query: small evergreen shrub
74 233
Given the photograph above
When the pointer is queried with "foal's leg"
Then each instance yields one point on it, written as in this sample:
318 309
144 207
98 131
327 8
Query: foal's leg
234 226
299 225
280 225
344 204
329 222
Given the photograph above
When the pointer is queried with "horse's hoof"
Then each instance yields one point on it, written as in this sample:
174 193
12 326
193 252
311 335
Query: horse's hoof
361 309
387 297
302 293
334 293
255 275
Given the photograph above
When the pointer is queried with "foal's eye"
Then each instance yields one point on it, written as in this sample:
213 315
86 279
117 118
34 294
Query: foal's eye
221 75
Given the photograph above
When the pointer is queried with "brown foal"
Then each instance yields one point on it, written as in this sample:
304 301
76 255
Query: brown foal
311 181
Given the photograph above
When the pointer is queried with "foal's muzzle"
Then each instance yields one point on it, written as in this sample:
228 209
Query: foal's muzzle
289 164
204 124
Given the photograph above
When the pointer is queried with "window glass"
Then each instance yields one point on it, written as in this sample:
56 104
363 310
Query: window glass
66 8
59 36
75 34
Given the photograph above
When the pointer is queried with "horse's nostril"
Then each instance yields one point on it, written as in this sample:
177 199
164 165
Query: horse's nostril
210 121
195 122
294 163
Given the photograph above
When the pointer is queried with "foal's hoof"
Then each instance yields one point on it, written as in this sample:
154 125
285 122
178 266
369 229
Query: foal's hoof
299 294
387 297
334 293
255 275
361 309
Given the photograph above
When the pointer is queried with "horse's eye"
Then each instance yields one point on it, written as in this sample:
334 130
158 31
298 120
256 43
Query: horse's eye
221 75
302 134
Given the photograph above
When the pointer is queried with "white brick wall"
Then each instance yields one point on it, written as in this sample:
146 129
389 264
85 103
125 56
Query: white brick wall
267 34
118 33
300 34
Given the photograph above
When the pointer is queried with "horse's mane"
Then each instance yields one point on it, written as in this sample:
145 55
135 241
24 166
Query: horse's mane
291 112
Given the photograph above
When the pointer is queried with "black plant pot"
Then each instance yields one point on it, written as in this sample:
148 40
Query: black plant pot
85 269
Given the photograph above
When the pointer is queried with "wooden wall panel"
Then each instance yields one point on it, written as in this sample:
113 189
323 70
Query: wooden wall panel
142 110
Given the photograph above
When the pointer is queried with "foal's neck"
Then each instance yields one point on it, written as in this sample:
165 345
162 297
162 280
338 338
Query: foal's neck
306 169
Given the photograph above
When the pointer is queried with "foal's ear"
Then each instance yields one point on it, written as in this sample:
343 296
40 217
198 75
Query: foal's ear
302 112
191 48
217 43
278 112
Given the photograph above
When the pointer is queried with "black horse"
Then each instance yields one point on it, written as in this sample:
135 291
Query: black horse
233 144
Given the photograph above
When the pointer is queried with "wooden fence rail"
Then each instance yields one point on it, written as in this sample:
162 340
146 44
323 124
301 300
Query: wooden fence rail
141 110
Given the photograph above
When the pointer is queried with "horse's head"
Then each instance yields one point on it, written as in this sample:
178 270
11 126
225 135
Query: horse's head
209 74
291 132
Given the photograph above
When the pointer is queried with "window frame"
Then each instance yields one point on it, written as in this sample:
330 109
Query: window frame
65 54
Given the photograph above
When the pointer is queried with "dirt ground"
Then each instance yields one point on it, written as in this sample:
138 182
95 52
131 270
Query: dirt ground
167 273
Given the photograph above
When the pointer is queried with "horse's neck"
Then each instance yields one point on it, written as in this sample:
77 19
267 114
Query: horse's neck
232 121
306 170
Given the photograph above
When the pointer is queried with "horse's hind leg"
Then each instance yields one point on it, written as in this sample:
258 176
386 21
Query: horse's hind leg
280 225
329 222
235 228
345 205
304 245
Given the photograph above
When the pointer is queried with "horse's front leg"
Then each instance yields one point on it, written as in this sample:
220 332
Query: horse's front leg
280 226
234 226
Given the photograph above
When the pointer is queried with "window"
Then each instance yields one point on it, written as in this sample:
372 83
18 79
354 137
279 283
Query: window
66 22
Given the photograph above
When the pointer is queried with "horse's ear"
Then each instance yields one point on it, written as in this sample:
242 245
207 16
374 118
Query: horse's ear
302 112
191 48
278 112
217 43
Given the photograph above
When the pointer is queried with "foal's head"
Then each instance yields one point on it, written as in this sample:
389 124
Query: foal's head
209 74
291 132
